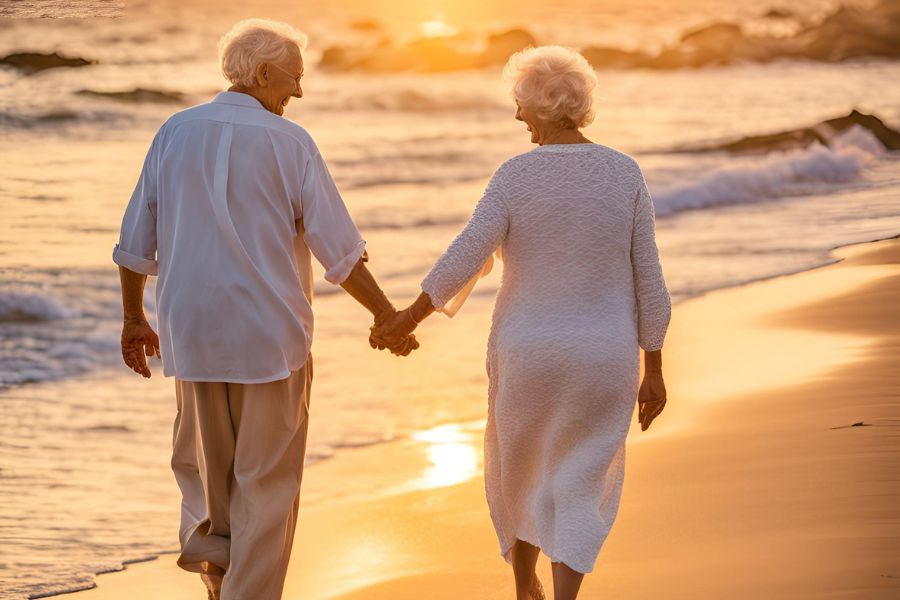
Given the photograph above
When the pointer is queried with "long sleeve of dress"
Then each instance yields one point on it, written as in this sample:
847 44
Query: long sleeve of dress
469 256
654 306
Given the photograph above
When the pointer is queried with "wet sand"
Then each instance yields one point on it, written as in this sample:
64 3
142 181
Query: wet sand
753 483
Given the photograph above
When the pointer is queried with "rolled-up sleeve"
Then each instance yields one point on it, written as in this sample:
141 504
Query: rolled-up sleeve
329 231
136 249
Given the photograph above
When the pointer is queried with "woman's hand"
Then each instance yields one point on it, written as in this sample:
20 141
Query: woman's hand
651 398
393 330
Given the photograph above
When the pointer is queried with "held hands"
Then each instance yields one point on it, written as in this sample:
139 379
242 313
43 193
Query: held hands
138 338
393 330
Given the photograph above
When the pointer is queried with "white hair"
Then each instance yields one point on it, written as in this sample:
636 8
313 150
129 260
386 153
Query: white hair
556 83
252 42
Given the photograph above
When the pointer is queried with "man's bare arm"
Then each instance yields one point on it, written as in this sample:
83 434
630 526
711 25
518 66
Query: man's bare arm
138 338
362 286
132 294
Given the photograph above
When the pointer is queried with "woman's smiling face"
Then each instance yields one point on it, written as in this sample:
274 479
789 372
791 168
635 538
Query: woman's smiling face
536 125
522 115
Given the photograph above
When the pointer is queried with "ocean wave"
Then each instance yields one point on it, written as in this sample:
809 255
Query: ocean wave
57 324
777 175
362 442
136 95
121 428
57 118
380 223
25 305
412 100
436 176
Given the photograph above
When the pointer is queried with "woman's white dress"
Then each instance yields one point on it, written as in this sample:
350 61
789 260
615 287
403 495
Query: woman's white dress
582 288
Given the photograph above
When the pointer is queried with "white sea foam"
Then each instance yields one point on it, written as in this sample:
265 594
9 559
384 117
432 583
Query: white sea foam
780 174
746 180
19 303
55 325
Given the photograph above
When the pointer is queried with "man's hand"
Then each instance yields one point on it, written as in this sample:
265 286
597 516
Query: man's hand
651 398
393 330
138 338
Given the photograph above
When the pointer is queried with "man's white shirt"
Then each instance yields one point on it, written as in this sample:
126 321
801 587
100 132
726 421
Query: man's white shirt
230 202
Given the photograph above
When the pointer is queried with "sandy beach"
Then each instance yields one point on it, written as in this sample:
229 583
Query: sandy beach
753 483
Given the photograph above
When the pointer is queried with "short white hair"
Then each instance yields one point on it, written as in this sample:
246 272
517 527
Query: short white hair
252 42
554 82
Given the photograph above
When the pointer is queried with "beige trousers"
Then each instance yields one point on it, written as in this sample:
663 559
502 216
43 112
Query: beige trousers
237 455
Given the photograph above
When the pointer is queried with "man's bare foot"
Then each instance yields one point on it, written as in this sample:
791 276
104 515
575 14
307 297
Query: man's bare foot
537 590
212 579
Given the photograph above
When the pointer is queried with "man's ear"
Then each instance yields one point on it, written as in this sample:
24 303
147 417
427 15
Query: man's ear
262 75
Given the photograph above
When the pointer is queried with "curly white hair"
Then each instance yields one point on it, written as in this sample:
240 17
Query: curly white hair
554 82
252 42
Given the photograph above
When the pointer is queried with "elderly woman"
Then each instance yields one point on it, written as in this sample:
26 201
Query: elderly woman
582 289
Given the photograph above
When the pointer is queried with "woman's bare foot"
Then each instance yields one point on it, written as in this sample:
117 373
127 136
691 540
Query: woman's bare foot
537 590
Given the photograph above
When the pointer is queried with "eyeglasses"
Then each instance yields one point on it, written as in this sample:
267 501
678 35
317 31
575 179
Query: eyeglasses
286 72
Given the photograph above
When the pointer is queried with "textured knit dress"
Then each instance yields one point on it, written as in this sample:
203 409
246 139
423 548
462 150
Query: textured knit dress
582 288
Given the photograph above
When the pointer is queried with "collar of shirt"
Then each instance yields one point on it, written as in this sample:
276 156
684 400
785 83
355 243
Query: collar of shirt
238 99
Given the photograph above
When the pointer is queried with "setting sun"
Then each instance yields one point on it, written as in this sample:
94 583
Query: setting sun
437 28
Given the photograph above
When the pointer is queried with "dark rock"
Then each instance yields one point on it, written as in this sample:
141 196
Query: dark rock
613 58
370 25
778 13
851 33
823 133
887 136
716 44
32 62
338 58
500 46
431 55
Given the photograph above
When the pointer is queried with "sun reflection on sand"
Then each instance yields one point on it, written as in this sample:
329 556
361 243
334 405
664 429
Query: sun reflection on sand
452 452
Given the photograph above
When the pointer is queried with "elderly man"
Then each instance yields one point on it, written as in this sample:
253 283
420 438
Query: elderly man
231 201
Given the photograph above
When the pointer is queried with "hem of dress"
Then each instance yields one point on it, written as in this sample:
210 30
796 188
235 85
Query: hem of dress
506 553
